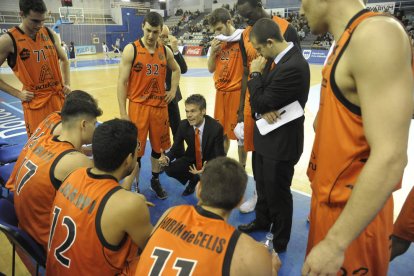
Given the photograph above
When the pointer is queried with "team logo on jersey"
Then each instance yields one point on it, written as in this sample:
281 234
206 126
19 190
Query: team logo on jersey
44 37
45 73
161 56
24 54
138 67
153 87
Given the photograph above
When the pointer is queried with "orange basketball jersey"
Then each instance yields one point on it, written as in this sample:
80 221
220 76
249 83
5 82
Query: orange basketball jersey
45 129
147 78
77 245
35 186
36 65
229 68
189 241
339 153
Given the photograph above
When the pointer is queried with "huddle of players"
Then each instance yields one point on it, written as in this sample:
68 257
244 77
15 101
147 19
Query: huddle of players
88 223
90 209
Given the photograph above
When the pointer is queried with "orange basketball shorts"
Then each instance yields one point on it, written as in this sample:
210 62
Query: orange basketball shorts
225 111
152 120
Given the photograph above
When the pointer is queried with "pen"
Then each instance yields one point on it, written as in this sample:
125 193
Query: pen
283 112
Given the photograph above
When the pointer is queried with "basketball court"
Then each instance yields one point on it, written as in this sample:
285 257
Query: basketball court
99 78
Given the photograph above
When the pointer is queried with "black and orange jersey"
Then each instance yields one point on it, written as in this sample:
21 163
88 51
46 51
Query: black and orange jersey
35 62
77 245
189 241
340 149
45 129
35 186
146 83
229 67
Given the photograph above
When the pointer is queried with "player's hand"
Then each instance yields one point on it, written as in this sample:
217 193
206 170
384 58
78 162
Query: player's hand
170 95
26 96
148 203
215 46
258 64
271 117
66 89
193 168
174 43
276 263
325 258
163 160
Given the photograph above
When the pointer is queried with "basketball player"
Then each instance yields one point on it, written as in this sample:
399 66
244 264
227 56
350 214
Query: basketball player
360 147
99 224
226 63
197 240
33 53
47 162
142 75
49 127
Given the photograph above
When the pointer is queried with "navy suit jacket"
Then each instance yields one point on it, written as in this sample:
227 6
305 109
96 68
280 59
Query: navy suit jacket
287 82
211 143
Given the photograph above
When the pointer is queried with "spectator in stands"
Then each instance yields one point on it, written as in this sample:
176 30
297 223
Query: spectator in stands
72 54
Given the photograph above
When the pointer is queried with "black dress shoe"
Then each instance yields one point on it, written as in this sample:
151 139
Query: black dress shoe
189 189
251 227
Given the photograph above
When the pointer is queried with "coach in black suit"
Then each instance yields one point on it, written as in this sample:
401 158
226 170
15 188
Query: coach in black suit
182 165
173 110
279 77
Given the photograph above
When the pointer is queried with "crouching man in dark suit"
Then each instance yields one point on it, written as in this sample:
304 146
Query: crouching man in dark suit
280 76
204 138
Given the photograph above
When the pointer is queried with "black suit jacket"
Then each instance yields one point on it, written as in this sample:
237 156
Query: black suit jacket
183 67
288 82
211 143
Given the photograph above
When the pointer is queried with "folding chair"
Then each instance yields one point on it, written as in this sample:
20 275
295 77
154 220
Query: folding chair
10 153
8 225
5 172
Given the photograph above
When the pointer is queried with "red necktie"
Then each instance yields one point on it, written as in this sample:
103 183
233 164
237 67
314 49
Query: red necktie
199 163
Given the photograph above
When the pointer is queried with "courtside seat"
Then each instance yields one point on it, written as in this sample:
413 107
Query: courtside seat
10 153
19 238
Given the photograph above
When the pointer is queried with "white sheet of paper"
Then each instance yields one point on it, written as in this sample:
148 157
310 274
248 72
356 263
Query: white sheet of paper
292 112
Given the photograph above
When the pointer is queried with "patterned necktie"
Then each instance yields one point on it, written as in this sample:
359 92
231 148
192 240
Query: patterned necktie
199 163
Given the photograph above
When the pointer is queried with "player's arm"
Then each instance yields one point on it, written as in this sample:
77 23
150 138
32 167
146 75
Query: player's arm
64 64
70 162
6 48
386 100
251 258
126 213
123 78
175 75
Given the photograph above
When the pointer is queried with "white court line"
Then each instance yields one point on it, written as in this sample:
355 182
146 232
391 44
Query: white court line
99 88
12 107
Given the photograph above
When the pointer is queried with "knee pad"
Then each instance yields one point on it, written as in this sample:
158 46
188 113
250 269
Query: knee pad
155 154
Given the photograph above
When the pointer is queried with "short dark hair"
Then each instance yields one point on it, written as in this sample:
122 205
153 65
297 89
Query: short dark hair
220 15
223 183
154 19
198 100
112 142
32 5
253 3
264 29
79 103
